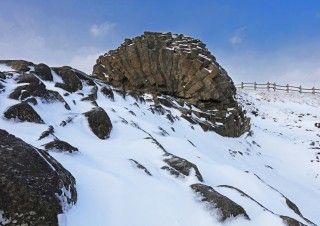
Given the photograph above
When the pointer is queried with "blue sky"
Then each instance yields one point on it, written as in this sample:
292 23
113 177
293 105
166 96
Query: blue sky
255 40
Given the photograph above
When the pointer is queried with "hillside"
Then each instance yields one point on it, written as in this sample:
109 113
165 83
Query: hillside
157 135
155 167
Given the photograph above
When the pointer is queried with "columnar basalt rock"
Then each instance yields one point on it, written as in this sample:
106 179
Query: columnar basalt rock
178 66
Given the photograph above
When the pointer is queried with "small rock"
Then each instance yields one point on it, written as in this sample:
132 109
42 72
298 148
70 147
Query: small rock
49 131
108 93
182 165
59 145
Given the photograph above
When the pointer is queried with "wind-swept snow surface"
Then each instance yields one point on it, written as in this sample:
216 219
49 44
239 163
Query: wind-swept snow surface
123 180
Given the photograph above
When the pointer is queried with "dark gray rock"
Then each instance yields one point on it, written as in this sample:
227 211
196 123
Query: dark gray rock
33 185
183 166
59 145
23 112
99 122
2 75
108 92
226 206
35 88
2 87
43 71
48 132
71 82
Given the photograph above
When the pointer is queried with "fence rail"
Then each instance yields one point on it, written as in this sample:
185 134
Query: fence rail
273 86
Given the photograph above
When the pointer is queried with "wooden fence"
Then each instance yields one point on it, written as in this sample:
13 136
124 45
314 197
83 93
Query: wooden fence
273 86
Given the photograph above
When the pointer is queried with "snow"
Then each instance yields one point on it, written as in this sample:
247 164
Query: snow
3 220
204 57
111 191
4 67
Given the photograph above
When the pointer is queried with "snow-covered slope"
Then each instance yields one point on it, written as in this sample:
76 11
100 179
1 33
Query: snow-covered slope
271 171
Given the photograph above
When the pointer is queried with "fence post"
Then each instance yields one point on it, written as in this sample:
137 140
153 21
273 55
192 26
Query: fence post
274 86
268 86
288 88
300 89
313 90
241 85
255 85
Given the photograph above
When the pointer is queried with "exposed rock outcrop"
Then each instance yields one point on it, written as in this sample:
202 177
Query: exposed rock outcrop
140 166
182 166
48 132
226 206
18 65
43 71
291 222
71 82
178 66
35 88
59 145
23 112
99 122
34 187
107 92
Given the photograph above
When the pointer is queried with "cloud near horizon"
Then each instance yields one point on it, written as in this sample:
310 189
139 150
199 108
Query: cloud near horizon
250 50
106 28
294 64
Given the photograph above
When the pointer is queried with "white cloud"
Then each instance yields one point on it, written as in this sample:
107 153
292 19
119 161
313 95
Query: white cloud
295 64
99 30
236 39
238 36
85 58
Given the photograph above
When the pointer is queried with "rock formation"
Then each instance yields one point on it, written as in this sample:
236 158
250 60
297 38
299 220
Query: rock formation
180 67
34 187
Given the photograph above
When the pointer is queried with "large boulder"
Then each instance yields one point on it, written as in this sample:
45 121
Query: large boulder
34 187
175 65
23 112
99 122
